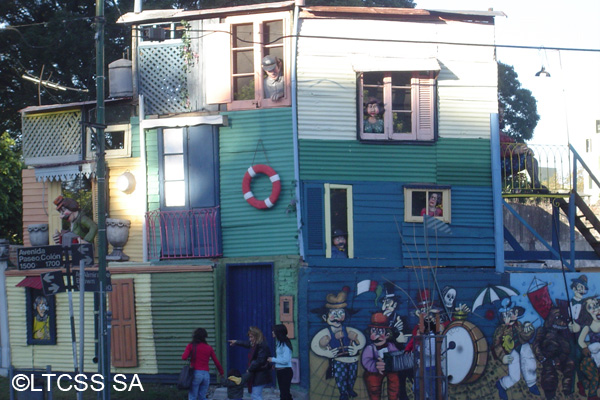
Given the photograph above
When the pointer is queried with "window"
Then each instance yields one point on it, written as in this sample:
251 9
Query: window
234 73
338 221
117 141
434 201
397 106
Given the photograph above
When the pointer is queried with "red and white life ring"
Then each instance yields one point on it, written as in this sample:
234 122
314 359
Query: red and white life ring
275 187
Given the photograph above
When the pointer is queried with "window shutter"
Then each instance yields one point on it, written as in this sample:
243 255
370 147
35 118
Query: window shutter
314 220
123 344
425 107
218 64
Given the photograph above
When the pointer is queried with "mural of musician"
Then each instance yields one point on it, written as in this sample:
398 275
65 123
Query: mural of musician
339 343
510 345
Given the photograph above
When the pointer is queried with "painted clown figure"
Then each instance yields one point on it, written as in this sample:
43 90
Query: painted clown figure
339 343
511 346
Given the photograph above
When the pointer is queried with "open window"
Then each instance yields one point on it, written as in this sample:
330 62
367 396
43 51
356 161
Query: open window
432 200
339 221
396 99
234 73
117 141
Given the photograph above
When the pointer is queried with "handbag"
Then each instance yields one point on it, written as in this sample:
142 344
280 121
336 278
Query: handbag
186 376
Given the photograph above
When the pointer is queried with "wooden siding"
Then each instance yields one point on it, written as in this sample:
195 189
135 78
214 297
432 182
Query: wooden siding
450 161
382 236
248 231
35 203
60 356
467 84
181 302
128 206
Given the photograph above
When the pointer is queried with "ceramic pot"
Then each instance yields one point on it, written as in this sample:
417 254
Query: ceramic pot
117 234
38 234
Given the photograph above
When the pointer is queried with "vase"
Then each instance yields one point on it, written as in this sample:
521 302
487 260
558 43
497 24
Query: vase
38 234
117 234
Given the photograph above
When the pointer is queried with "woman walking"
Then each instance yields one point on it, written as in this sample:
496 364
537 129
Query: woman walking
258 366
283 361
200 352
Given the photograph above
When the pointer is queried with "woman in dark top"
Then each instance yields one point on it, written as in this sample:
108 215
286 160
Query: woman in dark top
258 366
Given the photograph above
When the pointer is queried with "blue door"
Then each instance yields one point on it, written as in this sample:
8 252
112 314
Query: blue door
250 302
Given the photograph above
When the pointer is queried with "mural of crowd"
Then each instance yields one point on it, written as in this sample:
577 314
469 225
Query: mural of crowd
526 336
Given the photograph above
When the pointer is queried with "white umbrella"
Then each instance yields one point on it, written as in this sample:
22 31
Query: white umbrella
492 293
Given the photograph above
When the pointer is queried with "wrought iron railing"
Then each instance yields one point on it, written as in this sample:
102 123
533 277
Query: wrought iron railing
184 234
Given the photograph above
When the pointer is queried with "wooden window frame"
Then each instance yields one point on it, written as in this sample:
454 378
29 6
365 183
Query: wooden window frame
423 87
446 203
349 218
116 153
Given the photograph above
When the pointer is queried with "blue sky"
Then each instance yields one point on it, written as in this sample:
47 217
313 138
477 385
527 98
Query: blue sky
569 101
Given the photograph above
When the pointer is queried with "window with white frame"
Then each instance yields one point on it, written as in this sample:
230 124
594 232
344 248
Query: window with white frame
433 201
117 141
339 221
396 105
235 74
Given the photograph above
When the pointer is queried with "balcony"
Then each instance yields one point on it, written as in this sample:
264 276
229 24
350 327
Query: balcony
184 234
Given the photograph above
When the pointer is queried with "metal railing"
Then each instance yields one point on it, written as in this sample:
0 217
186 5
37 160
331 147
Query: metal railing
184 234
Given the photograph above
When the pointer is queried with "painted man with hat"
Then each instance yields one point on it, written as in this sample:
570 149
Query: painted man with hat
510 345
81 225
339 241
382 342
579 286
273 84
339 343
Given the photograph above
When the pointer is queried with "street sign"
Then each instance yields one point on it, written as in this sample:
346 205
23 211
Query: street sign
92 281
39 257
83 251
52 283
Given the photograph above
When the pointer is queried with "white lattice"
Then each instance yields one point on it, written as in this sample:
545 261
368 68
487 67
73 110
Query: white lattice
47 136
162 78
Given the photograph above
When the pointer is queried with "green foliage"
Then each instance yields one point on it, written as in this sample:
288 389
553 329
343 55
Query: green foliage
518 107
11 217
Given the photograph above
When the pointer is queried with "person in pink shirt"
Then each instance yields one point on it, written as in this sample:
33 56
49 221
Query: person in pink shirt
200 352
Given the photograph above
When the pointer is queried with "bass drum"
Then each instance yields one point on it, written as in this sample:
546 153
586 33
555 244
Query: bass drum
467 352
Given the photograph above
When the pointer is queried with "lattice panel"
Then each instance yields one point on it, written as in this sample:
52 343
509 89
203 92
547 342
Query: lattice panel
52 135
162 79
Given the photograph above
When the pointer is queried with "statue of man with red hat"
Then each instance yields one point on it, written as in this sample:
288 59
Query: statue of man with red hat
81 225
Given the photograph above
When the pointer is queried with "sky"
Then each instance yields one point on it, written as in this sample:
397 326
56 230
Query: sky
569 101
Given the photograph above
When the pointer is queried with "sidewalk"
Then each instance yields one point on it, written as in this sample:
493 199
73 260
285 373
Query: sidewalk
269 393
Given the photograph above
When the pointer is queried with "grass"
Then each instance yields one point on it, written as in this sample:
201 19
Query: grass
152 391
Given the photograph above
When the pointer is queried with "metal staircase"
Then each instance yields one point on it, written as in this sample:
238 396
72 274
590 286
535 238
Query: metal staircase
586 223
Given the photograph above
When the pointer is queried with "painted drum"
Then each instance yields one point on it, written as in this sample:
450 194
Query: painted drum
467 352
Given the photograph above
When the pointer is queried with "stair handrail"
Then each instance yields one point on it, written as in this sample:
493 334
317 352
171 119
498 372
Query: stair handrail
576 158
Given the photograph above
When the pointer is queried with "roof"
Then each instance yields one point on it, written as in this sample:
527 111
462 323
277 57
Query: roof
34 282
149 16
66 106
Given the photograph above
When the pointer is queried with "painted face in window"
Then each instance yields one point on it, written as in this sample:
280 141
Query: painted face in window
373 109
433 199
339 242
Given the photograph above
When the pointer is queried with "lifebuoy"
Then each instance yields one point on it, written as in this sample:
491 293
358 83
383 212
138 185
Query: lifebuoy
275 187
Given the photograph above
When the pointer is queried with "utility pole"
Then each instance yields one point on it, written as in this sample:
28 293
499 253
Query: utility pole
104 351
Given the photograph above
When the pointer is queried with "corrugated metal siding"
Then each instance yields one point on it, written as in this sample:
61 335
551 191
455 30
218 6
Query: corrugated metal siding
135 137
181 302
248 231
152 181
327 107
449 161
128 206
60 356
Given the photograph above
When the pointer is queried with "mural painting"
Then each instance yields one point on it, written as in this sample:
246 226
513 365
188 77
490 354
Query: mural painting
493 336
41 317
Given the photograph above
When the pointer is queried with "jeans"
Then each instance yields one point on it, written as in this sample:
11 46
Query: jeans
257 392
199 385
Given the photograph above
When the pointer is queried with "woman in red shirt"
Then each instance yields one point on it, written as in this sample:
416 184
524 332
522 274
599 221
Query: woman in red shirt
202 351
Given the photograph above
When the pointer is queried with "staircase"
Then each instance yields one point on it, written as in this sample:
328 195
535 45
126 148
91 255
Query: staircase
586 223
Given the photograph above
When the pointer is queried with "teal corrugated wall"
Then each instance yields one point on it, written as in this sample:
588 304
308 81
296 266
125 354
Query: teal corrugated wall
181 302
248 231
447 162
135 136
153 187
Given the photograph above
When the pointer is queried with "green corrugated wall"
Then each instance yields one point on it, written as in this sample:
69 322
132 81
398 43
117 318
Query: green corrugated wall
152 189
248 231
447 162
181 302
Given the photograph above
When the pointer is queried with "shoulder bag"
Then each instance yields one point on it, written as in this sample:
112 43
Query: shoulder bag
186 376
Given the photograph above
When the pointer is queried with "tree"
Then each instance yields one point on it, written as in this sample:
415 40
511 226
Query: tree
518 107
11 217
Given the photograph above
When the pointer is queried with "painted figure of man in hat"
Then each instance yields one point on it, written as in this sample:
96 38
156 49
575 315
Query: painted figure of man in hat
339 343
339 242
382 342
81 225
273 84
511 346
579 286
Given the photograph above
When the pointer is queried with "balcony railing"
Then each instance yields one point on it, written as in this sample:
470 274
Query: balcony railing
184 234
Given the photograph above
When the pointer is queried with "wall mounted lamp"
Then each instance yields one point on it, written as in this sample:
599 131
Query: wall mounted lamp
126 182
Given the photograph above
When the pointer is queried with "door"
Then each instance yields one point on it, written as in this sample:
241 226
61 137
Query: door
250 302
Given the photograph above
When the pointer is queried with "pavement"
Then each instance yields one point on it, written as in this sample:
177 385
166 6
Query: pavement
269 393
